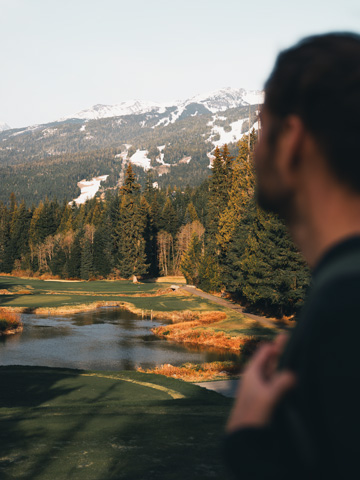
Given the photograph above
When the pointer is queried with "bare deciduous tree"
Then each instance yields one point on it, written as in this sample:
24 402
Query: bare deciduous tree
165 248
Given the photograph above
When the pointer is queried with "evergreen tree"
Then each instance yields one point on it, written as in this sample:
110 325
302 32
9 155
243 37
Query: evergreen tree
74 260
150 238
169 218
190 263
58 261
6 257
241 191
19 233
264 267
87 267
190 214
210 275
102 250
131 256
218 194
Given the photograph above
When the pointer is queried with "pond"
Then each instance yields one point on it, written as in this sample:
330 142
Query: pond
104 339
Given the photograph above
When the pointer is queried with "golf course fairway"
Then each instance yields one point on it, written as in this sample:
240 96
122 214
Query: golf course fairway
58 424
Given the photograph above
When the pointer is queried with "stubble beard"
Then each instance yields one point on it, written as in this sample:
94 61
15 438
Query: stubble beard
276 199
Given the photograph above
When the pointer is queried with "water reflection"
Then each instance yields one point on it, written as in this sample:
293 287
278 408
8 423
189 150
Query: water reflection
105 339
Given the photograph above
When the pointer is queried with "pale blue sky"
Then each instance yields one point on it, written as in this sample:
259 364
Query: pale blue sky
62 56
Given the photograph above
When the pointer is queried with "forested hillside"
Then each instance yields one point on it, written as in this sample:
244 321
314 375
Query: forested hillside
213 233
48 160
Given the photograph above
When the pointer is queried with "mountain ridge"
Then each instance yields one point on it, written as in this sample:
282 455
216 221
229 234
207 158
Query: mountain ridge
214 101
173 144
4 126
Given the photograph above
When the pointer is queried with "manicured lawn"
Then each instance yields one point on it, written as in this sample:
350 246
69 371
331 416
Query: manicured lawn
59 424
236 324
52 294
43 286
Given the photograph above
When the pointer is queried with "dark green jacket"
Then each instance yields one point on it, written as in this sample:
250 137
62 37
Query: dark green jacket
315 430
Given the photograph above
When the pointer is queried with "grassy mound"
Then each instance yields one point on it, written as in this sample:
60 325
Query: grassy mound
60 424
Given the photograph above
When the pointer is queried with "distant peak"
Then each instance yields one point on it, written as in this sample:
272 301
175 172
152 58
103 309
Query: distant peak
215 101
4 126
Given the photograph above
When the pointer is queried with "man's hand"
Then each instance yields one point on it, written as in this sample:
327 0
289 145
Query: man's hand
261 388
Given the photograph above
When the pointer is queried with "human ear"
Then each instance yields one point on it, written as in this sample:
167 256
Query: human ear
289 148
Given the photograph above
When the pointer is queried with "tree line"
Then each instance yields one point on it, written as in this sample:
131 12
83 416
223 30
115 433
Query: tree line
214 234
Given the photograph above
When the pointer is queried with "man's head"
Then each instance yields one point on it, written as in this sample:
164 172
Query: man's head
314 90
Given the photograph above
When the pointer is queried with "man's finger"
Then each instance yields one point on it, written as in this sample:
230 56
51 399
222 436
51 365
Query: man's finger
262 356
281 340
282 383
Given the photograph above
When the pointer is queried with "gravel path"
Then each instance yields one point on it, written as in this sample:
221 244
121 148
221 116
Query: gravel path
267 322
225 387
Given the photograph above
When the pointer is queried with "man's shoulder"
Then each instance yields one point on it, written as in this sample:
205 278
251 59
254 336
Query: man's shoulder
335 296
341 265
335 290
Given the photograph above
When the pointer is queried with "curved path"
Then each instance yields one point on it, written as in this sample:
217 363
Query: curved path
267 322
227 388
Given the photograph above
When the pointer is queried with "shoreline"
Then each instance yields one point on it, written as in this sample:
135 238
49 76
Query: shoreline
186 326
174 316
12 331
182 327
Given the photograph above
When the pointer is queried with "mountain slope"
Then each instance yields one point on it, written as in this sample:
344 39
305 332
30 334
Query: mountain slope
216 101
4 126
175 143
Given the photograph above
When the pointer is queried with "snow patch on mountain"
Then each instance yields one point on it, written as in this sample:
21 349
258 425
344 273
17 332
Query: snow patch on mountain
88 189
211 158
164 122
129 107
160 158
221 100
4 126
32 128
48 132
227 137
140 159
215 101
175 115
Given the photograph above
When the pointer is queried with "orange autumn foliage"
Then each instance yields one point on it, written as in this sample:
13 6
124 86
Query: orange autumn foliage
9 321
190 372
191 332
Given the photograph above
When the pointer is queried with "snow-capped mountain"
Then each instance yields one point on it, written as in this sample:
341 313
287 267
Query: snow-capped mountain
213 102
4 126
173 143
129 107
221 100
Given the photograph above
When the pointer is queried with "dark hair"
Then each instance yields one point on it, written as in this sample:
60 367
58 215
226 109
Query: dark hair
319 80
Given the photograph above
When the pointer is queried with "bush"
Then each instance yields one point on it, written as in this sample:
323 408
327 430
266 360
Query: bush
9 320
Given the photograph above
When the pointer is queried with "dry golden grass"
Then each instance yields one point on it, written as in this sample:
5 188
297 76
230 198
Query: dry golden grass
171 279
189 331
191 372
9 322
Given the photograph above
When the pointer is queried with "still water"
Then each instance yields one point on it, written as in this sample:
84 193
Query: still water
105 339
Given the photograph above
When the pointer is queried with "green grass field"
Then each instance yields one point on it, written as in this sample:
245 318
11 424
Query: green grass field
60 424
68 424
54 294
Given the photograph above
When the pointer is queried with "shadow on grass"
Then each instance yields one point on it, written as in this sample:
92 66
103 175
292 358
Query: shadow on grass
58 424
5 299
